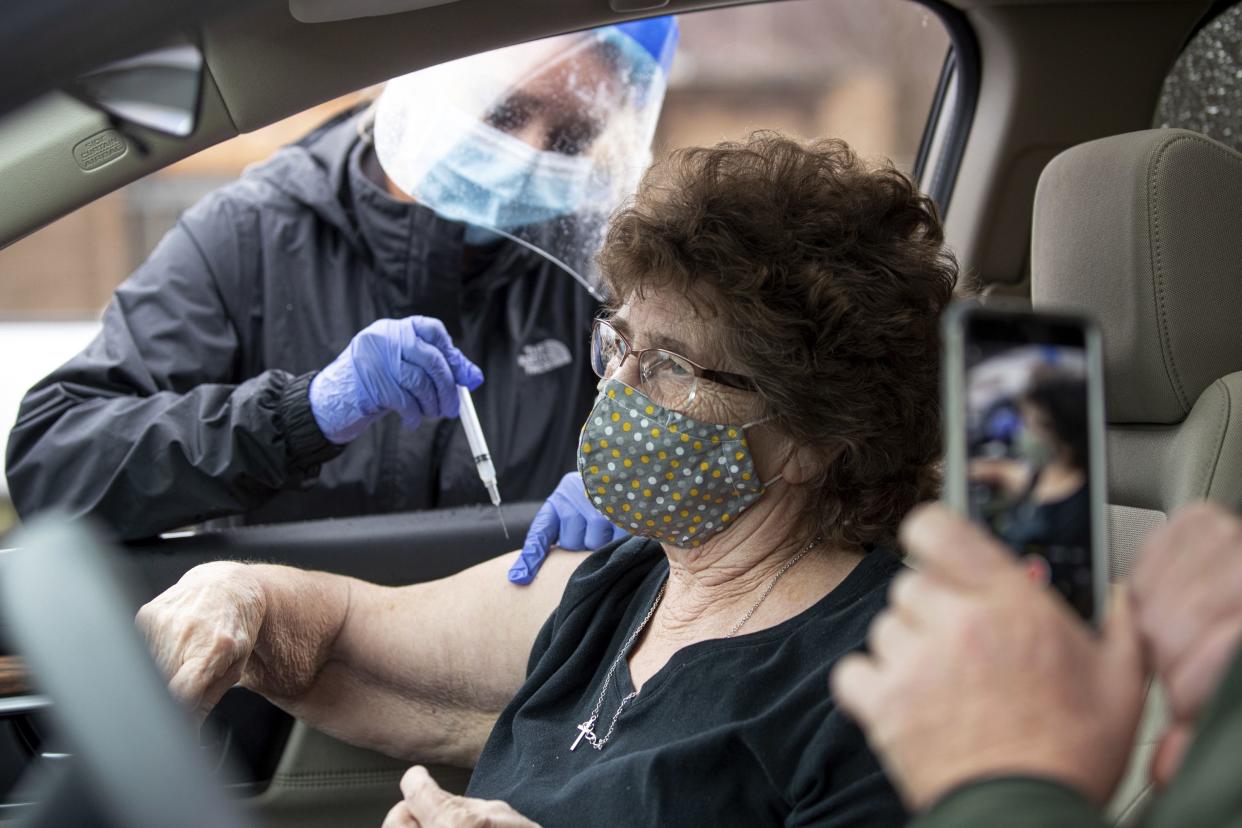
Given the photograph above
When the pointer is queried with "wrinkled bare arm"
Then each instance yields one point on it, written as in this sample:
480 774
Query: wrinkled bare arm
419 672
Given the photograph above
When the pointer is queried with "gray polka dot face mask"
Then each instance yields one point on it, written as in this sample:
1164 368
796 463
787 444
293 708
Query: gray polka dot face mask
659 474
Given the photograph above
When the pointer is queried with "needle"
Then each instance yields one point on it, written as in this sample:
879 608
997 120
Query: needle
501 514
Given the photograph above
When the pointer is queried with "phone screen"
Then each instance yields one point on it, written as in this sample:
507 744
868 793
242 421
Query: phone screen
1028 455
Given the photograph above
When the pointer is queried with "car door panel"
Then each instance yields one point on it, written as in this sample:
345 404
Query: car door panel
324 782
384 549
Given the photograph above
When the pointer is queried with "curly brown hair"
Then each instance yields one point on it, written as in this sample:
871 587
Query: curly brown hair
824 278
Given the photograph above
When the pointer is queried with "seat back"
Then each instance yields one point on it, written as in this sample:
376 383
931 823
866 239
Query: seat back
1144 232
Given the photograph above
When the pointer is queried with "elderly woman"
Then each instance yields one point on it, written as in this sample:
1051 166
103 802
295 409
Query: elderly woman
767 413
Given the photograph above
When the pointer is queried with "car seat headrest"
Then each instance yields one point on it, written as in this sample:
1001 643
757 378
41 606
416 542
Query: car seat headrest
1144 231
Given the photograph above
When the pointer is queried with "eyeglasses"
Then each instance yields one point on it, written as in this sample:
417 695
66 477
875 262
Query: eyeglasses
669 379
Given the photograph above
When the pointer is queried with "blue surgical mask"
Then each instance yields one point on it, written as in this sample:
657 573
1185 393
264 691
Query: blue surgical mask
491 179
480 236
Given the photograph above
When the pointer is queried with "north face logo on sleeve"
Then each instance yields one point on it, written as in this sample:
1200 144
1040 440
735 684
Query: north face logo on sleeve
544 357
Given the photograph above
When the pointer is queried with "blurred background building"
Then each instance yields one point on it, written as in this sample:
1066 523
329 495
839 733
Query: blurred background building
862 70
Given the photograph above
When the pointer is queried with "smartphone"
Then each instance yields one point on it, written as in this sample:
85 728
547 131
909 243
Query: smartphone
1023 415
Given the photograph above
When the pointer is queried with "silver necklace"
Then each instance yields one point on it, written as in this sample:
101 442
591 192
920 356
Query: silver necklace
586 730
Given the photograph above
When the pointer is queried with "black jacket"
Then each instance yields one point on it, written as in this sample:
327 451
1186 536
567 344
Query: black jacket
191 404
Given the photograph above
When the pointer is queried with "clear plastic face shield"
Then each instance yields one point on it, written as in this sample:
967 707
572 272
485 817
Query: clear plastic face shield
537 142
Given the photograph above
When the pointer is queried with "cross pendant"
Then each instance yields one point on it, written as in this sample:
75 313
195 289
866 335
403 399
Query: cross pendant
583 730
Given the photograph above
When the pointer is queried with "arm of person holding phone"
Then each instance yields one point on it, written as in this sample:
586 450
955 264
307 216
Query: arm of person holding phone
1025 716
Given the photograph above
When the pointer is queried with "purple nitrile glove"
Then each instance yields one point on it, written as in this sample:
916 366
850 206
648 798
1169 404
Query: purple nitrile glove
569 520
405 365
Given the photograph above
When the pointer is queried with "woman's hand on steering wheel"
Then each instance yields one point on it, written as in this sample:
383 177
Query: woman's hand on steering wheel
427 805
202 631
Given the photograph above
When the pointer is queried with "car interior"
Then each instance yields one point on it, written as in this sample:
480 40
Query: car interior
1064 175
1125 228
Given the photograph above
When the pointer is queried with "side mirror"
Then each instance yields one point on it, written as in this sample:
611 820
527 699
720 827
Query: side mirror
158 90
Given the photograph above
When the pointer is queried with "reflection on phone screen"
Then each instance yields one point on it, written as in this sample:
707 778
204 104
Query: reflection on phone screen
1027 455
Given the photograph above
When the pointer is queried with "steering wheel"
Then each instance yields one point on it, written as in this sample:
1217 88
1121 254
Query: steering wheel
63 596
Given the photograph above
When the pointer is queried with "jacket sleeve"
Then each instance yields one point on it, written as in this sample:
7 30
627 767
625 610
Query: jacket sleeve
1204 793
151 427
1015 802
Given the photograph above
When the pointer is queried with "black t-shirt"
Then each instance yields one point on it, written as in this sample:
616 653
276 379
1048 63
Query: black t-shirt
738 731
1065 522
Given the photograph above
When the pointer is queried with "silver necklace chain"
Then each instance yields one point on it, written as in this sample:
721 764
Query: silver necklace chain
586 730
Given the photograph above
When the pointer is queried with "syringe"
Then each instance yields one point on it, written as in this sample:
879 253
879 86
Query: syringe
478 447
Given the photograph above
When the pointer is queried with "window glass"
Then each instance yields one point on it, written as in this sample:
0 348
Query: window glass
1203 92
862 70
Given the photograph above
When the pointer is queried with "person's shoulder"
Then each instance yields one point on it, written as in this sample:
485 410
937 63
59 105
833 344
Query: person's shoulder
231 210
619 565
600 589
281 197
883 563
297 176
838 625
832 628
837 780
806 647
863 592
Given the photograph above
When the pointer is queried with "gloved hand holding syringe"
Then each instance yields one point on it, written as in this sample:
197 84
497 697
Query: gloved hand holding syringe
409 366
478 448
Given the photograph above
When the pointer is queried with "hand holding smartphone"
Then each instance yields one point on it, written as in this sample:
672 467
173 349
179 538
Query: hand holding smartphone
1023 411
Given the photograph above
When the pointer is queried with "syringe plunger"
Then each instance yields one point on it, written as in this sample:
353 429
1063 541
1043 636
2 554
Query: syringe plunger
478 448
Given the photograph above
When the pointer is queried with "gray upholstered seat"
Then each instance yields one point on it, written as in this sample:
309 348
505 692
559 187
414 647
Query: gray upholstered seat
1144 231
